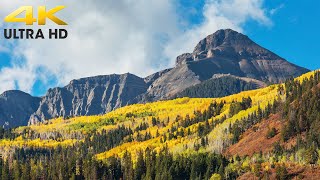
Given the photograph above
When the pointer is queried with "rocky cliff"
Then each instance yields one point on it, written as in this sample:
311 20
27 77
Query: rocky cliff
89 96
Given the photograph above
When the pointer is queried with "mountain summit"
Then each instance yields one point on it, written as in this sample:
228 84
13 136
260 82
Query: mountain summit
227 44
224 53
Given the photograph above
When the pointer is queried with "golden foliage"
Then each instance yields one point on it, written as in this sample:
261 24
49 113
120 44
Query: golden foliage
166 111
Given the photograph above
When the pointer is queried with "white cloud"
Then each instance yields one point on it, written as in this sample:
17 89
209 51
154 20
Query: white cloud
108 36
219 14
11 77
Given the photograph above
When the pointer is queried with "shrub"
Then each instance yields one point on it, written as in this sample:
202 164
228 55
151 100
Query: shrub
281 172
271 133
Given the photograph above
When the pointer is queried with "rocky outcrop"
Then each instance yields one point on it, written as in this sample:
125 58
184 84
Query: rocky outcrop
89 96
16 107
151 78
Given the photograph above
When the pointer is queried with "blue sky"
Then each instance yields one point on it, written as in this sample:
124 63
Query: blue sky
146 36
294 35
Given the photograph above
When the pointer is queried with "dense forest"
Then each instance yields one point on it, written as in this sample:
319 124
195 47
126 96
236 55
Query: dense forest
218 87
147 143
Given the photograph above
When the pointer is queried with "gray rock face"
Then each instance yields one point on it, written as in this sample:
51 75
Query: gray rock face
224 52
89 96
16 107
151 78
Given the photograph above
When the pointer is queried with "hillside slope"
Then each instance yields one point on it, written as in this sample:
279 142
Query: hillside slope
262 133
166 117
220 86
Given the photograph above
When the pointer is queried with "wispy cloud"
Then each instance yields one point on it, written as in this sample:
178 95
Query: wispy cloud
275 10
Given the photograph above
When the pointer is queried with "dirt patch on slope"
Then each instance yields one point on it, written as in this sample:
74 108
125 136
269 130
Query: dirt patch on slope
255 139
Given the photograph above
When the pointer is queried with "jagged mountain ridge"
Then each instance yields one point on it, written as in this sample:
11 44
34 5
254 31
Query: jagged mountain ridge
224 52
89 96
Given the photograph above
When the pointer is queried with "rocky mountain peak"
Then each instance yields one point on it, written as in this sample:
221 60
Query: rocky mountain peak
230 44
225 37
